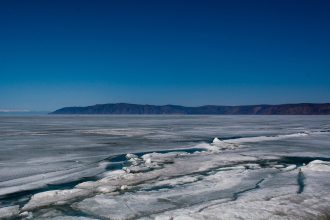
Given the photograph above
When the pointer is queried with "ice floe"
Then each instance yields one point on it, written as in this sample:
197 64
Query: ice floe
318 165
9 212
222 145
290 167
266 138
55 197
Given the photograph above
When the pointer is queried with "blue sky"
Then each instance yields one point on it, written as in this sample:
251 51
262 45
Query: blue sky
230 52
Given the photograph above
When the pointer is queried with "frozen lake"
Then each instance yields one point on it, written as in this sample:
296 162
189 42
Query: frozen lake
256 164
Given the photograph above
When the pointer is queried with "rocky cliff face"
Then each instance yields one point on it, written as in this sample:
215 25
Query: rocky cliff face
124 108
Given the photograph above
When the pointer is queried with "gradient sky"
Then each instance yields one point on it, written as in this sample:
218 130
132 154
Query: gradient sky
57 53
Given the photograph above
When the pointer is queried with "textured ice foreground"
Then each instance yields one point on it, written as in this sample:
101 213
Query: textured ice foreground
256 168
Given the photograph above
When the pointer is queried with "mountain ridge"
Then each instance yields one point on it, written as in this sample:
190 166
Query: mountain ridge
140 109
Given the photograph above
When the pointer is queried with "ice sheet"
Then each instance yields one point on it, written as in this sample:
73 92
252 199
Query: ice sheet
91 167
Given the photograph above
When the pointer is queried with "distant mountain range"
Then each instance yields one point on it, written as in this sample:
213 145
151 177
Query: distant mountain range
125 108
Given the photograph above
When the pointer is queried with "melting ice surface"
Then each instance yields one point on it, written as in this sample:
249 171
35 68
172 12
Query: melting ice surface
164 167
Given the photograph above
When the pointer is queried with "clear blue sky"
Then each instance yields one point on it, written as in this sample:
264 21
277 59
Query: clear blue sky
59 53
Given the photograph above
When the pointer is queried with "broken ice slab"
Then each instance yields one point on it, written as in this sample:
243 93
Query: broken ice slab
9 212
55 197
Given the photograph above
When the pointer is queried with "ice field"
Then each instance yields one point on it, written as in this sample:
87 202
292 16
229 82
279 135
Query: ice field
164 167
